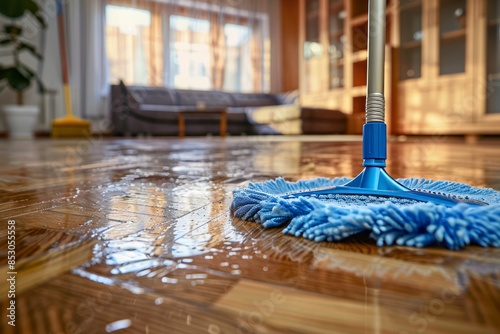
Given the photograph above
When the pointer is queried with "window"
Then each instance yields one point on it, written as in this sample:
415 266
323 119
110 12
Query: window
237 72
189 47
127 29
195 46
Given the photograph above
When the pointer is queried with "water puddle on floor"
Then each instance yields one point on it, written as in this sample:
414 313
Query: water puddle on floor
118 325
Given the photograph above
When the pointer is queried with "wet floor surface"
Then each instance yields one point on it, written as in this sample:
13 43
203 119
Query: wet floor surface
135 236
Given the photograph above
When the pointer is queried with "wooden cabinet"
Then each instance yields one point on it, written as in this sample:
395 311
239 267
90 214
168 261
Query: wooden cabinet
442 63
452 36
410 39
312 56
455 91
336 40
491 35
335 75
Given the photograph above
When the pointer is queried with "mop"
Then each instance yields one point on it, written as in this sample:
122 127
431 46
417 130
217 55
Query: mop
409 212
69 125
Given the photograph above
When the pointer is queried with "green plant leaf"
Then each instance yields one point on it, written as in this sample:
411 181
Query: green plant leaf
40 20
12 8
19 76
34 9
13 29
16 8
31 48
26 71
17 80
4 72
30 5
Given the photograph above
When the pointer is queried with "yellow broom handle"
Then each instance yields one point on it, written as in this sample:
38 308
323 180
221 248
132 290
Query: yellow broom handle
64 60
67 100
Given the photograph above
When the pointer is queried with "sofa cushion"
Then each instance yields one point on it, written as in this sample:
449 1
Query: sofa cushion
319 113
319 127
273 114
237 114
208 98
153 95
323 121
159 112
253 100
289 127
291 97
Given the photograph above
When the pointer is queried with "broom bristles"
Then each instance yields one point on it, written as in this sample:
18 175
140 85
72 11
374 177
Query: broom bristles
70 127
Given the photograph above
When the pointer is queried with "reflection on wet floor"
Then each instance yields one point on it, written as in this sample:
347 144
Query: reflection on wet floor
160 244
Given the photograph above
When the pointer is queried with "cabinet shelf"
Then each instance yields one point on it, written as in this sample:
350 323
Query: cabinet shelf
494 76
453 35
410 5
337 62
336 83
359 56
363 18
359 20
360 93
411 45
494 22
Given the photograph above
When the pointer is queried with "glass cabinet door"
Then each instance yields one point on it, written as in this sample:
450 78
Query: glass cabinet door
410 39
493 57
313 49
452 23
312 45
336 38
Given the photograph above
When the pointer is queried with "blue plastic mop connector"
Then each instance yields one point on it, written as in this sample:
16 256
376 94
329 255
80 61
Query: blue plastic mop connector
374 144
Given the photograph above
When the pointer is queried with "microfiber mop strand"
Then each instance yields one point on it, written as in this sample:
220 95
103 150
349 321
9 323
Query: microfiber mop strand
390 220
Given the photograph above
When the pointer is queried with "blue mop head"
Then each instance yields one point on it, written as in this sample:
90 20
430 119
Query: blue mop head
390 220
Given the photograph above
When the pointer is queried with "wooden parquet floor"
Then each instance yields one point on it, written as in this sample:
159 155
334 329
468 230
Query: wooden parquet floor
135 236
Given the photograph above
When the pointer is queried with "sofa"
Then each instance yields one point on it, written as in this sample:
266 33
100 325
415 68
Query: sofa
155 111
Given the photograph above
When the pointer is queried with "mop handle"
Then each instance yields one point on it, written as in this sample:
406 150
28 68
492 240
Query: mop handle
375 103
375 129
64 59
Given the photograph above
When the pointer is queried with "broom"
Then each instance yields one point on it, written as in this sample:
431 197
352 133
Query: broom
411 212
69 125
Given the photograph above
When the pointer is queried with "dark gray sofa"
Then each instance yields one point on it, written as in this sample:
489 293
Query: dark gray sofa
154 111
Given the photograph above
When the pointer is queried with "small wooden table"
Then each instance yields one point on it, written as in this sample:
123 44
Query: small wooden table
221 112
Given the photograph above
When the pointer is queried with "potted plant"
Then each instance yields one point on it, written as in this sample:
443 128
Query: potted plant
15 74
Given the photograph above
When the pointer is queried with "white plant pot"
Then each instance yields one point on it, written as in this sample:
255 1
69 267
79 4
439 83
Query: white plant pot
21 120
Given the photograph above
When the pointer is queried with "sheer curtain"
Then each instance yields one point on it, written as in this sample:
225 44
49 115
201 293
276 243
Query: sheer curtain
218 49
84 25
134 44
210 44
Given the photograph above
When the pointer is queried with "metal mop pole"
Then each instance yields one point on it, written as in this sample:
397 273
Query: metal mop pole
375 103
